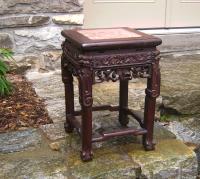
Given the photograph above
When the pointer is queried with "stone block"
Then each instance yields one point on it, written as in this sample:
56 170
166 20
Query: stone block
28 61
73 19
38 39
19 141
23 21
38 6
44 62
109 162
47 165
187 130
51 60
171 159
181 83
81 2
54 131
179 42
5 41
122 158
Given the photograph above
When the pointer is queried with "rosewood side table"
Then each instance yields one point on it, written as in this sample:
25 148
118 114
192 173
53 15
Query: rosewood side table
98 55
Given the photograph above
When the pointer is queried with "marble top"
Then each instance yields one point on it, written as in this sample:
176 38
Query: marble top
115 33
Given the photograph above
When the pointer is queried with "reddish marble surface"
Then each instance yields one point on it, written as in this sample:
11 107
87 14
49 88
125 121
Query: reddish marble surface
99 34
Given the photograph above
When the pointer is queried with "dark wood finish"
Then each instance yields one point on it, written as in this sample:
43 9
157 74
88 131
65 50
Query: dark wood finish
69 94
152 92
123 132
82 42
99 108
123 102
94 60
85 96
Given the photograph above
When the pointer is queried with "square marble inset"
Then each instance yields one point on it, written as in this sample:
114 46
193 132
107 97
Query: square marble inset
100 34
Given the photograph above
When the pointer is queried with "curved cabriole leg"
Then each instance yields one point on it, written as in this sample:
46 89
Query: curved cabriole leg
86 100
67 79
123 102
152 92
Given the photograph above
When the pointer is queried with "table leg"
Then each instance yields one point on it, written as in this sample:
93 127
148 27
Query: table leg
86 100
152 92
123 102
67 79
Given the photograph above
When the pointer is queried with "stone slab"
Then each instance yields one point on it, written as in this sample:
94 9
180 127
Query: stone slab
71 19
32 166
54 131
44 62
180 83
26 62
19 141
38 39
38 6
108 163
179 42
6 41
187 130
51 60
118 158
171 159
23 21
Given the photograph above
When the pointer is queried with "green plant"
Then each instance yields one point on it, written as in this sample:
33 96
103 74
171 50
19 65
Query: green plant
5 85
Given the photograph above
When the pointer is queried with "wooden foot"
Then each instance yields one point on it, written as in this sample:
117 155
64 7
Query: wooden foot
86 156
68 128
149 145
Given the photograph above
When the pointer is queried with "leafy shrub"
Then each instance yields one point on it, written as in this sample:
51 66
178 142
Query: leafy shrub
5 85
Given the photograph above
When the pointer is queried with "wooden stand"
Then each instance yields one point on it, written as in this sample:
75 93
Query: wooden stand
94 59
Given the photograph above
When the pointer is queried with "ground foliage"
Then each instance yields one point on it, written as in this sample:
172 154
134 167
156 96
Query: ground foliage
22 108
5 85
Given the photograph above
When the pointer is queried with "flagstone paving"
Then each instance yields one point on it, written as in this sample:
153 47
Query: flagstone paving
122 157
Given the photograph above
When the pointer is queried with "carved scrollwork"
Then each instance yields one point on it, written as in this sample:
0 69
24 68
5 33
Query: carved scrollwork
73 69
96 60
122 74
106 75
85 86
66 74
124 59
156 77
87 99
66 64
69 50
153 90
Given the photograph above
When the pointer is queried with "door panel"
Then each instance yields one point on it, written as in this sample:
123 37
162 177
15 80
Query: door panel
183 13
142 13
132 13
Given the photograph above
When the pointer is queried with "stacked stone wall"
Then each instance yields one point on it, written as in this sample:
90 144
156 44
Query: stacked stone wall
31 28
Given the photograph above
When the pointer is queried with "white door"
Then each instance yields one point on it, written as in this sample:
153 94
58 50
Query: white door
132 13
142 13
183 13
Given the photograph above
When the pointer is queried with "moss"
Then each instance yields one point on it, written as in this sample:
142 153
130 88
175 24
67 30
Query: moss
169 117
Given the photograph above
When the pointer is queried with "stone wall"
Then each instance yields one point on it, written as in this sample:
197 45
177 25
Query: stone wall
31 28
